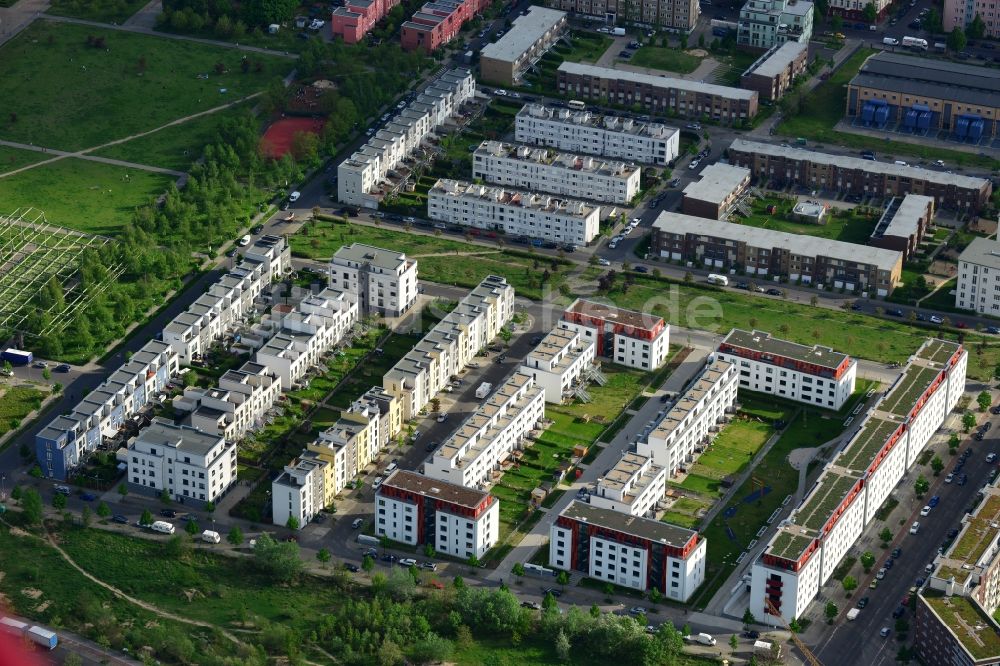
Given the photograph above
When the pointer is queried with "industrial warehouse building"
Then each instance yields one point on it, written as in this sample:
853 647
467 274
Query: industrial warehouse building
926 97
780 166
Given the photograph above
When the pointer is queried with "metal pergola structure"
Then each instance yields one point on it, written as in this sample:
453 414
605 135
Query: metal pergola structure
32 252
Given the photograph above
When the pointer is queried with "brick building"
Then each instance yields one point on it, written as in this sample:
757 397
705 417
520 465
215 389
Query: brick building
716 192
775 71
437 23
680 15
353 21
903 224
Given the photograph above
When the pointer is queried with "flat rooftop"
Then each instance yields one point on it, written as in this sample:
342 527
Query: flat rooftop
830 490
419 484
717 182
644 528
547 156
982 252
503 196
613 313
776 60
975 630
789 544
182 438
606 122
905 216
659 82
978 535
927 77
690 399
628 469
908 389
858 164
369 254
936 350
861 450
524 32
763 342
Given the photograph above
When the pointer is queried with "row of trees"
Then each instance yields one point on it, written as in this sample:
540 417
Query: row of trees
215 14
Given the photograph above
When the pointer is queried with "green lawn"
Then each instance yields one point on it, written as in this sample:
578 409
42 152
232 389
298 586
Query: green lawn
840 224
824 107
624 384
666 58
87 196
14 158
16 403
73 96
175 147
732 450
587 47
104 11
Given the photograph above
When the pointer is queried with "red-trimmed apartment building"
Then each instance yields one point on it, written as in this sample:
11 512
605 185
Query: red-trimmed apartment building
415 509
357 17
635 339
626 550
438 22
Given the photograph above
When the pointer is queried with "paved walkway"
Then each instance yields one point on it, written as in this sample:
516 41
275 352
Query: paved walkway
145 17
92 158
15 19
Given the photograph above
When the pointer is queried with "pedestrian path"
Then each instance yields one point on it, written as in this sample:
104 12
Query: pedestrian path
92 158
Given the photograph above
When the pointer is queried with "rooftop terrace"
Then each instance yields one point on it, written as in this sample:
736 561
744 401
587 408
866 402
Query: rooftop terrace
977 632
790 544
937 351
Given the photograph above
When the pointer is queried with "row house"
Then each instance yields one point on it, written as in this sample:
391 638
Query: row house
635 486
674 15
237 404
356 18
437 23
561 363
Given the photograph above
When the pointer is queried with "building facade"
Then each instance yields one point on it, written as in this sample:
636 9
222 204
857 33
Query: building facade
560 364
187 464
776 254
540 169
903 224
802 556
692 422
680 15
918 95
658 94
816 375
437 23
596 134
364 178
529 38
239 402
625 550
629 338
513 212
473 456
773 74
635 485
958 14
297 494
716 193
764 24
384 281
414 509
978 287
356 18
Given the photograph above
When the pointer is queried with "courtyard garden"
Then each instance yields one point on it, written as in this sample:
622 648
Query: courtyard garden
851 225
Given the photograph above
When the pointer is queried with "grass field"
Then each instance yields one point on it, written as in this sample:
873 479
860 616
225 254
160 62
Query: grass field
87 196
14 158
823 108
842 225
70 95
16 403
174 147
731 451
104 11
587 47
623 386
665 58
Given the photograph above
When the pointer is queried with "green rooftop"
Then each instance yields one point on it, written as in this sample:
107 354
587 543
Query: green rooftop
937 351
789 545
870 439
830 491
914 382
979 532
977 632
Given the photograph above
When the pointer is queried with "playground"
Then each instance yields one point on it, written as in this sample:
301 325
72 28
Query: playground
280 135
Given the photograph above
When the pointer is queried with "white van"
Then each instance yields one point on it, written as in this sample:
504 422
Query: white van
162 526
714 278
208 536
245 241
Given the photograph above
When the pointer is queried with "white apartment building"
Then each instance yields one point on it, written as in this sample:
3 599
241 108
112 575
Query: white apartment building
237 404
561 363
318 323
100 416
298 492
361 177
626 550
474 453
450 345
633 339
414 509
764 23
816 375
634 486
541 169
803 554
384 281
978 287
190 465
513 212
694 419
597 134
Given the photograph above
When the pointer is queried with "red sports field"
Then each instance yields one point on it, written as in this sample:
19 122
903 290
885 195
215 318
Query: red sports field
277 140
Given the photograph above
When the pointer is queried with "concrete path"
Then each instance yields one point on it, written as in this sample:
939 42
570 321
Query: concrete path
16 18
92 158
145 17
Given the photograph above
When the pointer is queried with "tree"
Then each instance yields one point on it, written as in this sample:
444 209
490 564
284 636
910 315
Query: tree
977 28
123 489
458 583
885 535
968 421
16 493
867 560
562 578
266 12
473 561
103 510
46 374
937 465
367 563
850 584
984 400
210 507
31 505
734 642
954 441
292 523
795 626
517 569
921 486
836 23
830 611
86 516
932 22
146 518
191 527
814 300
278 559
165 496
235 536
957 40
595 610
59 501
748 618
869 13
548 601
323 555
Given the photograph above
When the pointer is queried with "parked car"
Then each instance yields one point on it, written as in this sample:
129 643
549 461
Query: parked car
408 562
353 568
896 552
934 501
881 573
88 497
357 523
168 513
120 519
64 367
915 527
862 602
926 511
